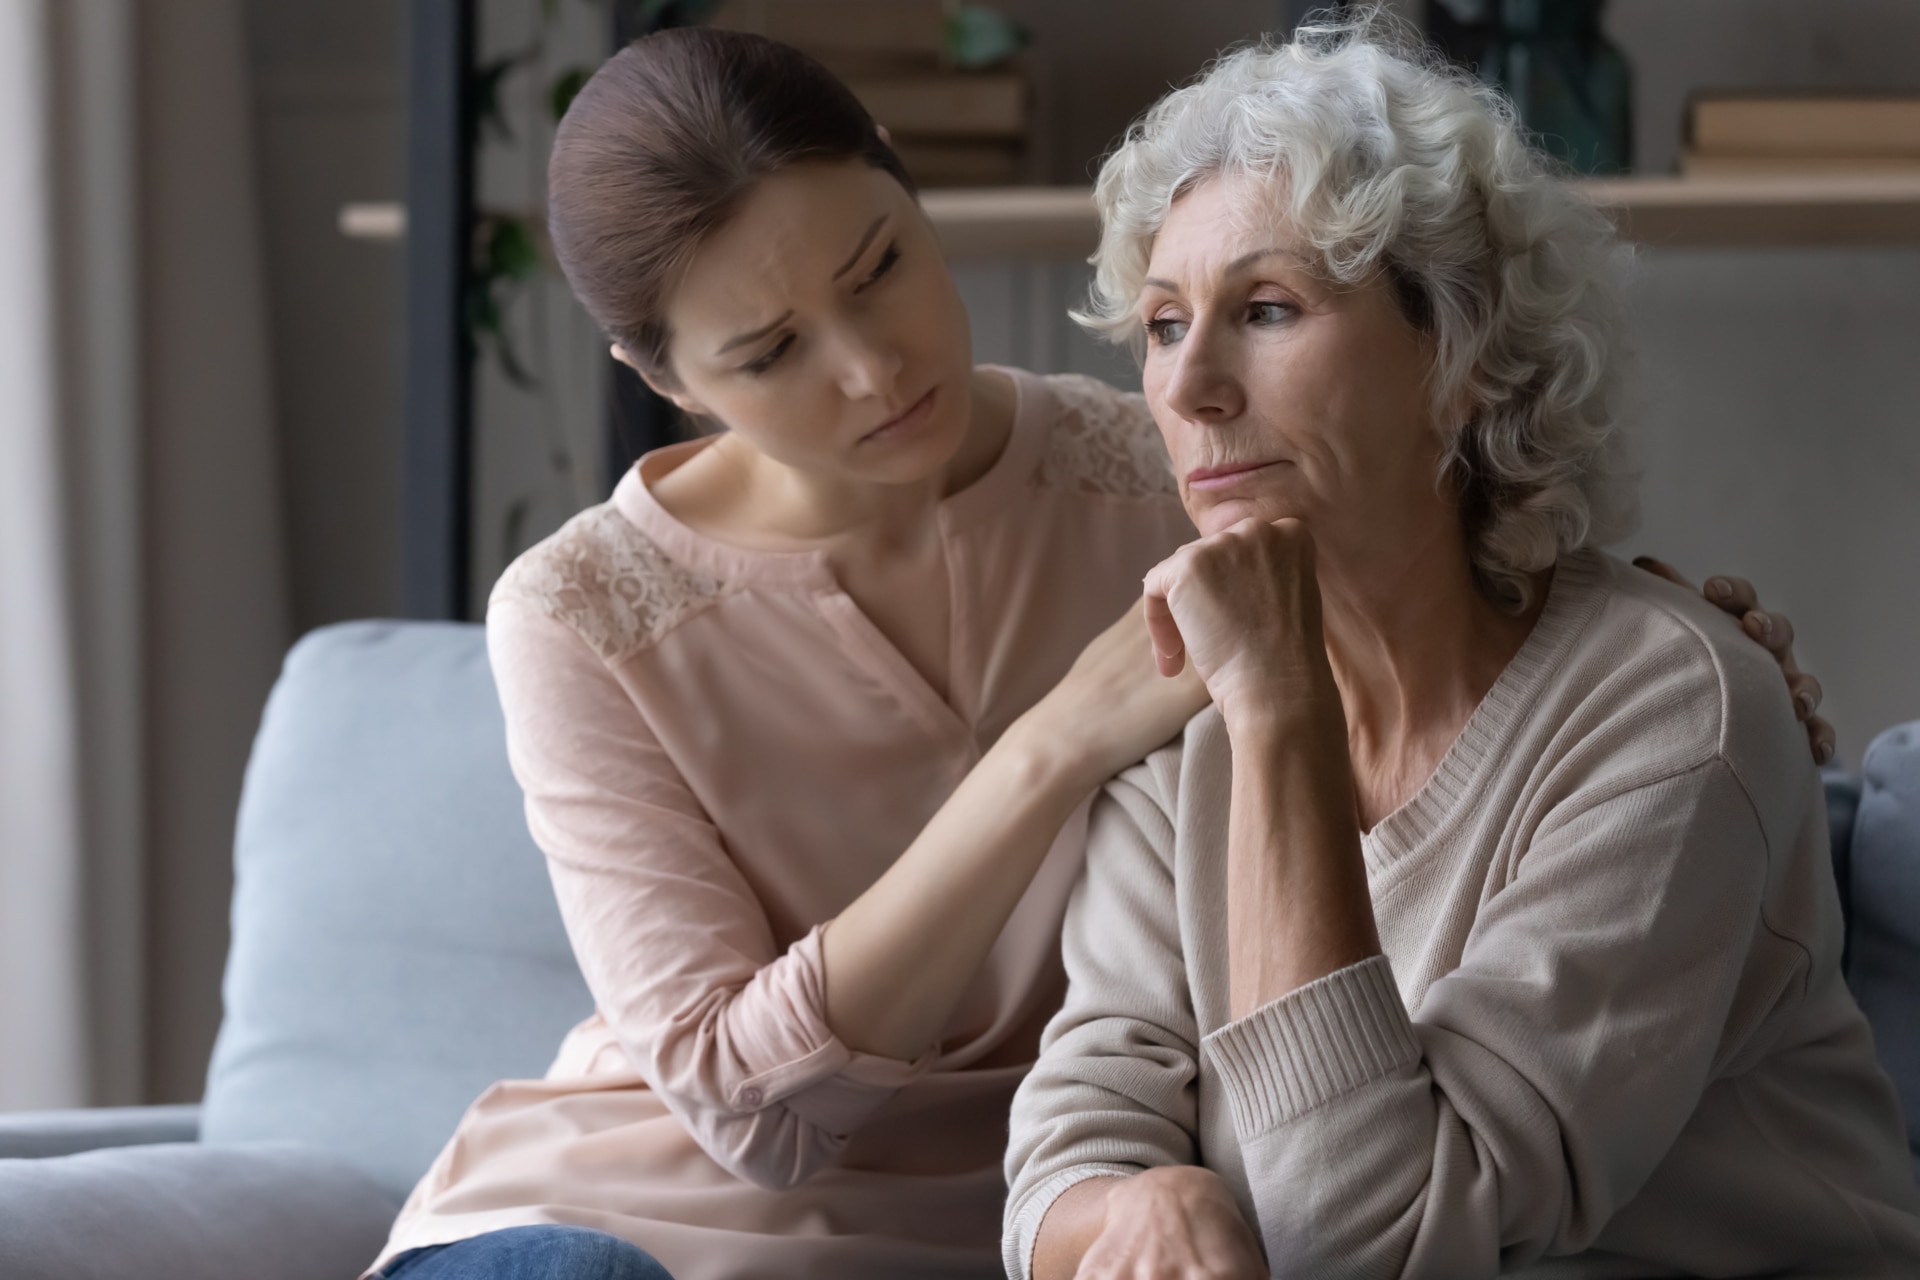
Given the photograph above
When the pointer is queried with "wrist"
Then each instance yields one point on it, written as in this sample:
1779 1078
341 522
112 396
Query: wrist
1279 713
1047 758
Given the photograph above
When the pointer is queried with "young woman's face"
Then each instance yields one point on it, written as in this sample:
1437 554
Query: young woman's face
821 326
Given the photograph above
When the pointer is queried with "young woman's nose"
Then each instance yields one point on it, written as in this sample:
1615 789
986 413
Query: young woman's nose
1204 385
869 364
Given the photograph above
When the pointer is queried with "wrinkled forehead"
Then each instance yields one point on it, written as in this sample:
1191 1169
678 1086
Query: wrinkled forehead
1215 220
783 243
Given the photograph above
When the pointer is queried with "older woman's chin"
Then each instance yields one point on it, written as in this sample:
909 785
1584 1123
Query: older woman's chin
1211 515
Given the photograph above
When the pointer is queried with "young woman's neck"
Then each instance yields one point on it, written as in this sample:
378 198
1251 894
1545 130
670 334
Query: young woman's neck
807 508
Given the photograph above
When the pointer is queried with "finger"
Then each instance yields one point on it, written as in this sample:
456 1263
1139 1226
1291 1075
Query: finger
1807 695
1821 737
1661 569
1735 595
1774 630
1169 649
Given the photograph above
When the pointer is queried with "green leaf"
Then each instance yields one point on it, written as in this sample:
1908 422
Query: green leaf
565 88
511 251
979 37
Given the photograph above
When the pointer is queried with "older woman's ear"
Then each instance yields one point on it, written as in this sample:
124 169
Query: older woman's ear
1773 631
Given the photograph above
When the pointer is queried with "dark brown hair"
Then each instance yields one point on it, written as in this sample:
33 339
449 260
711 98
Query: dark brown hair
661 145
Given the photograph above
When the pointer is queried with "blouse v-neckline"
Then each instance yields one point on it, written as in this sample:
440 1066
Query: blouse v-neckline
811 573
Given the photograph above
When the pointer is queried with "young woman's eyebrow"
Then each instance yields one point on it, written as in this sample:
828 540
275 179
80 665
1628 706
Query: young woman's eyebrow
873 229
755 336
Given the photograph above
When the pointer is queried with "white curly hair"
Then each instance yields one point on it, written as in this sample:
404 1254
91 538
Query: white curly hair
1384 160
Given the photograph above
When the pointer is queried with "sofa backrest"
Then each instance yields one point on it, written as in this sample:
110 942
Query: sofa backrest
1883 865
396 947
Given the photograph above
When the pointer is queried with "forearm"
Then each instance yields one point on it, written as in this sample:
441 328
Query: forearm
1298 906
898 959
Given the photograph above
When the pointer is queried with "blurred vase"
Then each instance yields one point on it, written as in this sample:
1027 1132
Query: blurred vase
1569 83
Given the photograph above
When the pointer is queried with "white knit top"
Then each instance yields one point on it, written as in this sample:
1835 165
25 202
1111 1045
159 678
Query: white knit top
1609 1034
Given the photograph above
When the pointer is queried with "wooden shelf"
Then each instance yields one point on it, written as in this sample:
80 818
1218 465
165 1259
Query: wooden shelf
1764 212
1058 223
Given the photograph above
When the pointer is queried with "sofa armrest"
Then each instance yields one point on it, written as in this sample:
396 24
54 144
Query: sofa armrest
188 1211
41 1134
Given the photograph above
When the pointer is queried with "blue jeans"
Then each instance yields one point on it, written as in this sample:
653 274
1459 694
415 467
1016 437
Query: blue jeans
529 1253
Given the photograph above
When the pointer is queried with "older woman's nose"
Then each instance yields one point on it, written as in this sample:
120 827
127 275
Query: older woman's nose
1204 386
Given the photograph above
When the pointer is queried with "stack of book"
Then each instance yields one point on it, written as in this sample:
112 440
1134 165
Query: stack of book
953 126
1755 135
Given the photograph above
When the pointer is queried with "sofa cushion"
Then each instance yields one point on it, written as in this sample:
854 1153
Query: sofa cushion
187 1212
64 1133
396 946
1884 964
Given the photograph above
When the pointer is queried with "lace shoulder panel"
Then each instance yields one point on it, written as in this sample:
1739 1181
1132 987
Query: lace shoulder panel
608 582
1104 441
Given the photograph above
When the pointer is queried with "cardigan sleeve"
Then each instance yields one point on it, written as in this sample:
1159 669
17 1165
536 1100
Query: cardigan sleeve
725 1026
1544 1078
1114 1090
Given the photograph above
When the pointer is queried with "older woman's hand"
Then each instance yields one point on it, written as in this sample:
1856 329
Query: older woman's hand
1243 606
1173 1223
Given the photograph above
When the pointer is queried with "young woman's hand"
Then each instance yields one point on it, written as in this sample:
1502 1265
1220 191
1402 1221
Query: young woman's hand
1173 1223
1113 706
1775 632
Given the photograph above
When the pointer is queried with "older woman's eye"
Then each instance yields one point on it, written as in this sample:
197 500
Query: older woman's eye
1270 312
1165 331
767 361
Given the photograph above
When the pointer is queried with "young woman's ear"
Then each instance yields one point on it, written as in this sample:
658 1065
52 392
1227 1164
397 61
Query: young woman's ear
684 402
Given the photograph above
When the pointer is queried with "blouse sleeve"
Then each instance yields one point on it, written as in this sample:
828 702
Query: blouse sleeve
676 949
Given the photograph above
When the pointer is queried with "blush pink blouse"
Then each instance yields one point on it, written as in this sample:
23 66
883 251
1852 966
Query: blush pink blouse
720 752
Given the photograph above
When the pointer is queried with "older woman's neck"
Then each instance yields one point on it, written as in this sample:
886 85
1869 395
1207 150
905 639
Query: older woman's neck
1414 646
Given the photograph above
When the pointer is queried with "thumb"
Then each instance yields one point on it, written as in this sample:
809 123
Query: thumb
1169 649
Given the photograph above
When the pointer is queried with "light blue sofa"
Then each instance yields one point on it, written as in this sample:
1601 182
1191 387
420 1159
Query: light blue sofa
396 948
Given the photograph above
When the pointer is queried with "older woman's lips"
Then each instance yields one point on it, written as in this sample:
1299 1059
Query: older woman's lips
1225 477
904 425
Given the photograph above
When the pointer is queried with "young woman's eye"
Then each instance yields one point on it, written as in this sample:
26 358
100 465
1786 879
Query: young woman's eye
887 259
1270 312
767 361
1165 331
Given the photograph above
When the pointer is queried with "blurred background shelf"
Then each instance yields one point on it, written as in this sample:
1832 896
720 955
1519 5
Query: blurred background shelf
1057 224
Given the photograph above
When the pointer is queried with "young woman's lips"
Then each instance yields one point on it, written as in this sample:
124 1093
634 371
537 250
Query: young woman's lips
905 424
1206 478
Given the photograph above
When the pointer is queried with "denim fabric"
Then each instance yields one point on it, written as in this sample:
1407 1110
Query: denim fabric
529 1253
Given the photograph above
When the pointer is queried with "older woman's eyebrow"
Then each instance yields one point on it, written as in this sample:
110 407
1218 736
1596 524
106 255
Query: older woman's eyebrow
1240 263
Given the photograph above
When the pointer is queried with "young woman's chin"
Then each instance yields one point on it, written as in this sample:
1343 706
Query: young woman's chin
920 445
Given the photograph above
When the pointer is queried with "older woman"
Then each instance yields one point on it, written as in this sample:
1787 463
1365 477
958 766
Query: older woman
1485 922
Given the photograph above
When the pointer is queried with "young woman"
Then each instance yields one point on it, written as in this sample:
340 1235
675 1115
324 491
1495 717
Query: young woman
806 715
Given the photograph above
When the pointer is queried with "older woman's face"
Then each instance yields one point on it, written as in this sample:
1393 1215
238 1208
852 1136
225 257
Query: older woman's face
1278 393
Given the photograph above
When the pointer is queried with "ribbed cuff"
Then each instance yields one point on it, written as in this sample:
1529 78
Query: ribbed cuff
1023 1226
1330 1037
